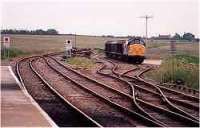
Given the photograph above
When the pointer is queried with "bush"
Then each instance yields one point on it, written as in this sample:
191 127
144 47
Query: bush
178 69
11 53
188 58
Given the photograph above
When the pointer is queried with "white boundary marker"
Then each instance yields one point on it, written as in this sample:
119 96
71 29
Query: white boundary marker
52 123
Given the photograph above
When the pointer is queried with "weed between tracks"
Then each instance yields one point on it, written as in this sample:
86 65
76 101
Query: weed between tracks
180 69
81 62
99 50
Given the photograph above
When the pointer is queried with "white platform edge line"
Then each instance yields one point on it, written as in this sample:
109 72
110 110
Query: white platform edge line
46 116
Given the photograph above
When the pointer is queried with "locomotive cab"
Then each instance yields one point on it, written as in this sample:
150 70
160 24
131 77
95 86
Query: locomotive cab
136 49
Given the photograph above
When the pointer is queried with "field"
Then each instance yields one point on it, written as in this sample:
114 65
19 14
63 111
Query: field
37 44
160 50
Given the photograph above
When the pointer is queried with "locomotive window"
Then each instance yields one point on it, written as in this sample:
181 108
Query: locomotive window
142 42
137 41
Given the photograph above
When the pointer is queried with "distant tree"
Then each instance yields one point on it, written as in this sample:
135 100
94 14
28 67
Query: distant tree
32 32
196 40
51 32
111 36
188 36
177 36
39 32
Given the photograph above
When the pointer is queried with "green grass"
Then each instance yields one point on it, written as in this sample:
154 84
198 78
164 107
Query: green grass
188 58
11 53
181 67
81 62
155 45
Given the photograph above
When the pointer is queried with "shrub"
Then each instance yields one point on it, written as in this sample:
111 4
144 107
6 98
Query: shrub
188 58
11 53
178 69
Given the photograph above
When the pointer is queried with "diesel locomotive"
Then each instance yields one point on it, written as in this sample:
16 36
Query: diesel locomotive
132 50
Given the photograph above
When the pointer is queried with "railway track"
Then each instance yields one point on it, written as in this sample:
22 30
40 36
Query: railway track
103 92
183 88
189 96
180 88
171 116
137 87
55 105
112 116
174 87
97 102
188 103
188 93
138 76
112 94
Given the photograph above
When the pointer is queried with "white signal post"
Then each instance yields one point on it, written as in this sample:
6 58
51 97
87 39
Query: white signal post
68 48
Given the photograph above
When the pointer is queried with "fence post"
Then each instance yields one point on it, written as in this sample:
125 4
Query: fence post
173 52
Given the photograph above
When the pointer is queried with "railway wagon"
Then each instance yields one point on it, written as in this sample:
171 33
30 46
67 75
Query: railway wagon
132 50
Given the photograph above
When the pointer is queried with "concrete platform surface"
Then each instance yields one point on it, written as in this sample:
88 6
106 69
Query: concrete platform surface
18 109
152 62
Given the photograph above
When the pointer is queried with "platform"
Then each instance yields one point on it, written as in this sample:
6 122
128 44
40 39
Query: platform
18 109
152 62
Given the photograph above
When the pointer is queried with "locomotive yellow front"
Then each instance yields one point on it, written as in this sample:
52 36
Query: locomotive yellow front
136 50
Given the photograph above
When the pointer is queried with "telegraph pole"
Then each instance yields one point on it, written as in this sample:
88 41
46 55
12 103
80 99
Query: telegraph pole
146 17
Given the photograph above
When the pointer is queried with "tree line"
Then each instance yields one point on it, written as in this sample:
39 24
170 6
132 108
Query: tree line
186 36
30 32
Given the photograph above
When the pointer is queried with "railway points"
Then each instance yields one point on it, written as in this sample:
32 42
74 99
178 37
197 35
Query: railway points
139 93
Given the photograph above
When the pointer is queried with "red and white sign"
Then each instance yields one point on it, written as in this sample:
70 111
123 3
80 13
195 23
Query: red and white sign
6 41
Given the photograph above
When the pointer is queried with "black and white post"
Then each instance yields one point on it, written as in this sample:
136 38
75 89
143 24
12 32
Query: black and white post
68 48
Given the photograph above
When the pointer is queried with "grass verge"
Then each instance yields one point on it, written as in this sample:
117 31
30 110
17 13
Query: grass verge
188 58
11 53
81 62
180 69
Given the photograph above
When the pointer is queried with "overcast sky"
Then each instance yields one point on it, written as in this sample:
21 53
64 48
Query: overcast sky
103 17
